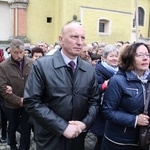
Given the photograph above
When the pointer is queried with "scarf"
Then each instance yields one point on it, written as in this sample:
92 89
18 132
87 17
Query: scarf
110 68
143 78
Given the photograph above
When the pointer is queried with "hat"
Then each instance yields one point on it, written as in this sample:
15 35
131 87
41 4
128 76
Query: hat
27 48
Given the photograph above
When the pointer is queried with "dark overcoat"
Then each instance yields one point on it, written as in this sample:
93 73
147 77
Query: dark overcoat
54 95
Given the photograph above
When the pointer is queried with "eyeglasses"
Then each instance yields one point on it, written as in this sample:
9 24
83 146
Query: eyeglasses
141 55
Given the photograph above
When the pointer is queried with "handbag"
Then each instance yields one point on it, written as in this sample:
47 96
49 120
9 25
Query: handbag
144 131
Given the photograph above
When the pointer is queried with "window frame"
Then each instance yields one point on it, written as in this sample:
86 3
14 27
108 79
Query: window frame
106 26
141 16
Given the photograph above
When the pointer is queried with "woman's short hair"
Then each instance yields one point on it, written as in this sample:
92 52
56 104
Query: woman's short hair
126 58
108 49
37 50
95 57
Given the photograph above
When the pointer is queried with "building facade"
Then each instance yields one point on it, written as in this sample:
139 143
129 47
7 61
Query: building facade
104 21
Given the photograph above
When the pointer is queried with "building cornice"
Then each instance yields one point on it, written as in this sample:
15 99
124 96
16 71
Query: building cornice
18 3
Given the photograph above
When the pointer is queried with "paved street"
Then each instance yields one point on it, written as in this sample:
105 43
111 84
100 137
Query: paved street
89 142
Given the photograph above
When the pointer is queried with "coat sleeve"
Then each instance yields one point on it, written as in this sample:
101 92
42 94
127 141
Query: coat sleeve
94 103
10 98
33 103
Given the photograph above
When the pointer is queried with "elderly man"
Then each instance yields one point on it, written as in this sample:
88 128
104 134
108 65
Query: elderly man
14 72
84 54
63 101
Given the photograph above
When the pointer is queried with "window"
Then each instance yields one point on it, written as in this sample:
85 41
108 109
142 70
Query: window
141 16
49 19
101 27
104 26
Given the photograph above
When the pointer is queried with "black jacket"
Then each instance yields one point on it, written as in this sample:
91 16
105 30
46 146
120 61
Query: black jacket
53 96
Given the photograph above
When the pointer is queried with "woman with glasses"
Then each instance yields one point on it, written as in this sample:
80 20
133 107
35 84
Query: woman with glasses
123 102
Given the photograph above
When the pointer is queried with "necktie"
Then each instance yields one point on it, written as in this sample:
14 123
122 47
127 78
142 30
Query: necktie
72 65
20 66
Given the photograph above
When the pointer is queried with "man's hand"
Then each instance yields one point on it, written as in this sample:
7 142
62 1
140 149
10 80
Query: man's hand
80 124
72 131
21 102
8 89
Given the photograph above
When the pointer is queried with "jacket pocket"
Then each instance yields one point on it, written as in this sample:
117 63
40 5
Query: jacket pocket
132 93
133 89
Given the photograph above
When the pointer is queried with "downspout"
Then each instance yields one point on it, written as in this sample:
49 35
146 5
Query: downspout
149 23
137 20
16 22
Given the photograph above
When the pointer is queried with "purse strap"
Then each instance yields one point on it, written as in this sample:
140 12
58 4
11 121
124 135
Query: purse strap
146 99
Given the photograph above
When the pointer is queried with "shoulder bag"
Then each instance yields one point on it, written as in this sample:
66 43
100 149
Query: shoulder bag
144 132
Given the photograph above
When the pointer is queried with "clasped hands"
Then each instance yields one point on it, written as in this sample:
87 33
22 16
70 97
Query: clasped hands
73 129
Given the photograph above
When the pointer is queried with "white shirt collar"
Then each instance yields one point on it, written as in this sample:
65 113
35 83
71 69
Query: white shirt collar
67 60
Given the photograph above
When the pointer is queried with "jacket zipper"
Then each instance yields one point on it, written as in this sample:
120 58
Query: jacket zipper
125 129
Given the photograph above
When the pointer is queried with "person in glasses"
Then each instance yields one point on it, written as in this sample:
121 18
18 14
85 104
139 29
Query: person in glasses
123 102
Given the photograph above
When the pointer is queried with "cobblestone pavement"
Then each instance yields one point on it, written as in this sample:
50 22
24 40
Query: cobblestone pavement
89 142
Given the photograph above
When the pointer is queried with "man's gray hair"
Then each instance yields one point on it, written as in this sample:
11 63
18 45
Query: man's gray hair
16 43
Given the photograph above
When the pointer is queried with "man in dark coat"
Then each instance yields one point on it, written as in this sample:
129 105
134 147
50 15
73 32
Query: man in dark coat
62 99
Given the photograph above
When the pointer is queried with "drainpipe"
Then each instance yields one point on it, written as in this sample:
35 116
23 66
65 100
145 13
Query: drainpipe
149 24
137 19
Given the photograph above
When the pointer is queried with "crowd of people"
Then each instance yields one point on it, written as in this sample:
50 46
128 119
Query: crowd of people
62 91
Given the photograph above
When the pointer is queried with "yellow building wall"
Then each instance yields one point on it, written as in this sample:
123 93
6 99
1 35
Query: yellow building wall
120 26
37 27
121 22
119 12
